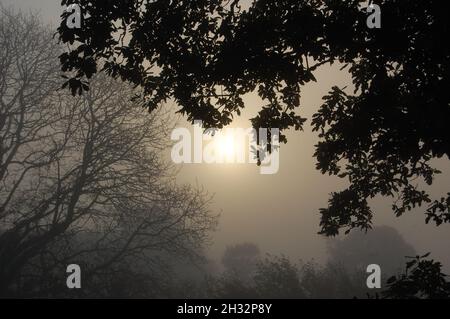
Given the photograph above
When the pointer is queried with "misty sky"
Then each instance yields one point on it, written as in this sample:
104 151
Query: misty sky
280 212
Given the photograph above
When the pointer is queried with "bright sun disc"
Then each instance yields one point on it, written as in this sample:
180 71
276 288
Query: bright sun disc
225 147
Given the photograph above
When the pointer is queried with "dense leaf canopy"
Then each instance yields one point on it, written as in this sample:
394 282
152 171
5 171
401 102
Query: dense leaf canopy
206 54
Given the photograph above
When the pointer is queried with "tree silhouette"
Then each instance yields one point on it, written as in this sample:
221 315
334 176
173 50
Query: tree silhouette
82 180
423 278
383 246
240 260
279 277
206 55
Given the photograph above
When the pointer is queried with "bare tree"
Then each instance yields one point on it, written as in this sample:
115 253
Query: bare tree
82 179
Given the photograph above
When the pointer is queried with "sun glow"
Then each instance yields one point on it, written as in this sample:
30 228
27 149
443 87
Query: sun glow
225 147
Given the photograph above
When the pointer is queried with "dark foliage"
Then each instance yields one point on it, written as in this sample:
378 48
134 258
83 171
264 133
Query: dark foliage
423 278
207 54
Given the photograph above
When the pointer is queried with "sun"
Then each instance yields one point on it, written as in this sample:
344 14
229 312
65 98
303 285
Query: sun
225 147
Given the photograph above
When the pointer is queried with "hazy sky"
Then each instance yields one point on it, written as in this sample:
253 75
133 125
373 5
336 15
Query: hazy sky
280 212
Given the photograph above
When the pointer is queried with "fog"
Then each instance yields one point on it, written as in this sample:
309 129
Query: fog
280 212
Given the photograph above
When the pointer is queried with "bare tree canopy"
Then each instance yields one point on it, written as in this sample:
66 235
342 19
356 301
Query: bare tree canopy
81 178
